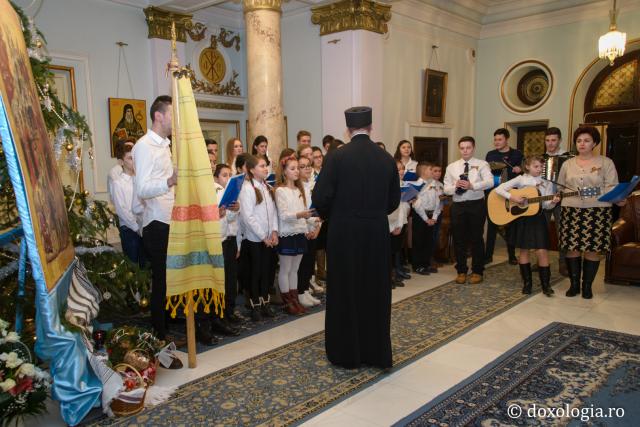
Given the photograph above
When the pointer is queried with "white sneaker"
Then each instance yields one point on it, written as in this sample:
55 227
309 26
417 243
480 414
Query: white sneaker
316 289
311 298
304 301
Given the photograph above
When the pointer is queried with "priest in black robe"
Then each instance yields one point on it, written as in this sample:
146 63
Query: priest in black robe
355 191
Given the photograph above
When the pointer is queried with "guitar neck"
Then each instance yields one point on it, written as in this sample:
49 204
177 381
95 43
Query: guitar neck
550 197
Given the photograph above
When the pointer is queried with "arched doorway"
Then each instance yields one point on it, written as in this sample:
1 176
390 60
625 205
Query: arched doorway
613 101
609 98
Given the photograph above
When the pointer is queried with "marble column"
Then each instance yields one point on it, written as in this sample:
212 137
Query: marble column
264 73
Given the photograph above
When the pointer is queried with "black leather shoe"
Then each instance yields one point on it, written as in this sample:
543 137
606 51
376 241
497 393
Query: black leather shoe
421 271
204 336
267 310
255 314
234 318
398 284
432 269
402 275
219 326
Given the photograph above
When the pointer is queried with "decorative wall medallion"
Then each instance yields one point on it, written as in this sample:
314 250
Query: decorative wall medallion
526 86
212 65
532 87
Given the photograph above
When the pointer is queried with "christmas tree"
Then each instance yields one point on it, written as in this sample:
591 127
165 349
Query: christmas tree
124 286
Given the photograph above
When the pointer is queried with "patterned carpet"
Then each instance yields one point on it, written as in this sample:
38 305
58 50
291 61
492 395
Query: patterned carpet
574 371
294 382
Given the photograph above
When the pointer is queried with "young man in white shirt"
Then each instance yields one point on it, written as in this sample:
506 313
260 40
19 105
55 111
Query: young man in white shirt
155 179
466 179
123 194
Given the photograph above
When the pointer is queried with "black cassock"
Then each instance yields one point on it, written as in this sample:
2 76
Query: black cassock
356 190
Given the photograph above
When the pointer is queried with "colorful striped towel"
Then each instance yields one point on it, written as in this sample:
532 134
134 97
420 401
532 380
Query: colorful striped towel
194 256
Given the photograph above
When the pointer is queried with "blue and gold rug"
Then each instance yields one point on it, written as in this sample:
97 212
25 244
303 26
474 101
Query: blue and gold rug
289 384
562 375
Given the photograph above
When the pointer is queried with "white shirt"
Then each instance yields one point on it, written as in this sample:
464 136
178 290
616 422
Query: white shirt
228 224
545 188
258 220
152 159
398 218
429 200
410 166
114 173
289 202
480 178
122 195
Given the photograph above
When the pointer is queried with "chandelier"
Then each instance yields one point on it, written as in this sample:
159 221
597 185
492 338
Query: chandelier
611 45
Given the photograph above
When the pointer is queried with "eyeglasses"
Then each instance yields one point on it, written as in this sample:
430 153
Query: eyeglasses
306 167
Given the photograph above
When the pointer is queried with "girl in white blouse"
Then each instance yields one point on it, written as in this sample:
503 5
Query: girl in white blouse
293 225
260 148
259 220
404 153
530 232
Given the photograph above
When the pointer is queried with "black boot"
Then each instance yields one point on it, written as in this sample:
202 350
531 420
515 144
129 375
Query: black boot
511 250
545 278
266 308
525 272
574 265
589 271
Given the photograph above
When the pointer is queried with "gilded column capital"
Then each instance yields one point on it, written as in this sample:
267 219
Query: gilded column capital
351 15
251 5
159 23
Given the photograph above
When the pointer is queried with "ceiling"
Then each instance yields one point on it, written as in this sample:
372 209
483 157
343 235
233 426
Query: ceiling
477 18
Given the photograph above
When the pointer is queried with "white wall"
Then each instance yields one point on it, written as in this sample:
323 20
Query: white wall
566 49
407 52
89 29
302 75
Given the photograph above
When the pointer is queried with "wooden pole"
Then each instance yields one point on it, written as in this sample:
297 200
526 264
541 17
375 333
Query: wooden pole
191 332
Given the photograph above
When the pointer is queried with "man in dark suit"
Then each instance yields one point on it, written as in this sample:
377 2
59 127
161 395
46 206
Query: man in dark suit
356 190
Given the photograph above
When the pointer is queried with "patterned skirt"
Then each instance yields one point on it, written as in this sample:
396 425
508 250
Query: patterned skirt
585 229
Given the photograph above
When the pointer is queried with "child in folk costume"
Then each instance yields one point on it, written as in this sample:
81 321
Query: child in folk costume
230 243
259 219
305 272
530 232
397 228
293 226
426 210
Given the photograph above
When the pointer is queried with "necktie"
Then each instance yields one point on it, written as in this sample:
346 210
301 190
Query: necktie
465 176
466 167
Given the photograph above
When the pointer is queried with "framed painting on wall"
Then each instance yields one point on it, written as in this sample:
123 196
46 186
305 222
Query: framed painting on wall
434 96
64 83
127 120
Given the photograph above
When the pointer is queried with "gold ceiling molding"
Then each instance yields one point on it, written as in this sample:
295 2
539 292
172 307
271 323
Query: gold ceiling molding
251 5
351 15
159 23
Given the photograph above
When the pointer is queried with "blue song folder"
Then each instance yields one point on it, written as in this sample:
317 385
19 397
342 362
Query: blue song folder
271 179
232 191
410 176
620 191
408 193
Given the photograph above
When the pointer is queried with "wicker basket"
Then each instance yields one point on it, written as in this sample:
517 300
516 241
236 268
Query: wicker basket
121 407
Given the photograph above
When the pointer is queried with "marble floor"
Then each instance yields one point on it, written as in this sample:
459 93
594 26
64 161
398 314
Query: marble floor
395 396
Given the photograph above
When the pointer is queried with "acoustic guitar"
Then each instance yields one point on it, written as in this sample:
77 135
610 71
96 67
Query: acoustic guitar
502 211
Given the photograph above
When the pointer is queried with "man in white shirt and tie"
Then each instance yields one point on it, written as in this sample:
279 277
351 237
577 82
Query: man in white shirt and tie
155 179
466 179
